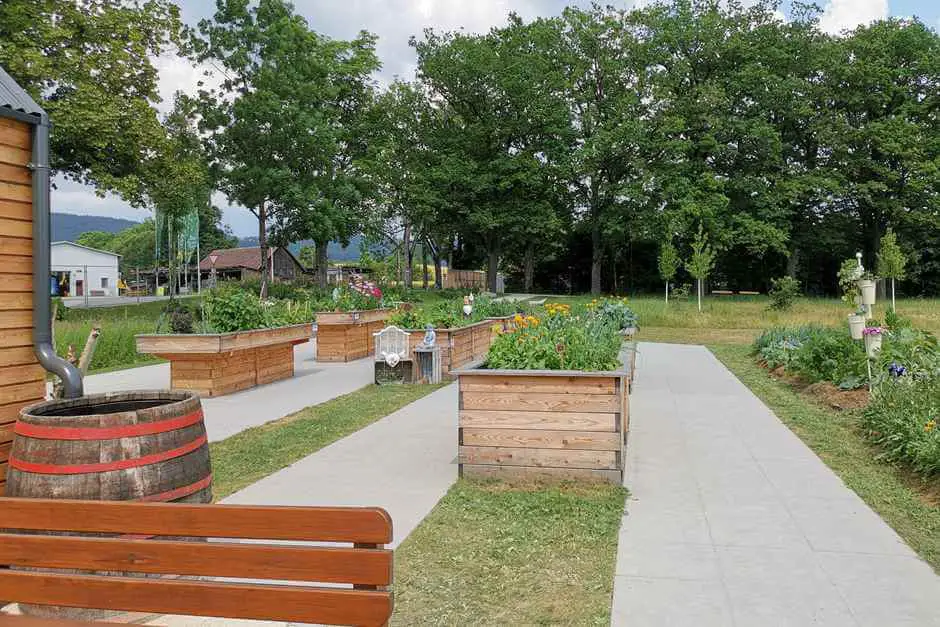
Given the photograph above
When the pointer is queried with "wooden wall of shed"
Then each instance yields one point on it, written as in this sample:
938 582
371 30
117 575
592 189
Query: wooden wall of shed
22 380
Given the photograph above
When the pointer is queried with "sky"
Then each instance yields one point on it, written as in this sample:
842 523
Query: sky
394 21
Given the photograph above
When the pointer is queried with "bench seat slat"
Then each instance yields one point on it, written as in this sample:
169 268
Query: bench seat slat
209 559
199 598
369 525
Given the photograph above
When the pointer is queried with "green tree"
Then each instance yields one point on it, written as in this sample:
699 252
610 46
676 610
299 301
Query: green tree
284 129
89 63
701 262
891 260
668 263
100 240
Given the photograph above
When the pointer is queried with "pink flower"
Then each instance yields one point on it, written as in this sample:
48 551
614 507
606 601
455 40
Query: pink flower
872 331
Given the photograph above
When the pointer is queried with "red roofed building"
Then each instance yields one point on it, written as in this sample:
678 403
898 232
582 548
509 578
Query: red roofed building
245 263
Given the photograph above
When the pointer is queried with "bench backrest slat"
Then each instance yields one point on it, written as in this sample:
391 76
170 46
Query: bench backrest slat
281 545
199 598
365 525
207 559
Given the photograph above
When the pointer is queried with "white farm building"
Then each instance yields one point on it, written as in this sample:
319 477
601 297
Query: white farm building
79 270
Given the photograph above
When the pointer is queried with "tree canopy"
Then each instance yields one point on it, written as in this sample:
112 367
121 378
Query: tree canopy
563 151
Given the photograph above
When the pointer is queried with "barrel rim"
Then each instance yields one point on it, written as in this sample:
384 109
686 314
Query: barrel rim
174 397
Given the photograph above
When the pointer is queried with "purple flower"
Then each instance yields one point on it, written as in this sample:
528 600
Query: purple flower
896 369
872 331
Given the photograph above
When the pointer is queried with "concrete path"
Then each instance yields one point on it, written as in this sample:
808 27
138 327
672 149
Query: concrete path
313 383
405 463
732 520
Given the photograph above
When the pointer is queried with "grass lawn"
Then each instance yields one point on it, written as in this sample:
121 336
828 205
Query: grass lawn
119 325
244 458
490 554
906 503
752 312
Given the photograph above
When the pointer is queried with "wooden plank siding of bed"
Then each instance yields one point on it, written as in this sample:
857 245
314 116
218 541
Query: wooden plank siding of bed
22 380
542 425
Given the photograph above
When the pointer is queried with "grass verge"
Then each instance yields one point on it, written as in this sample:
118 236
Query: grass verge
903 501
492 554
244 458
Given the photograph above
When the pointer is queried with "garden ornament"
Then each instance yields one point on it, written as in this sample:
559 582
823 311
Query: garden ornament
467 305
429 337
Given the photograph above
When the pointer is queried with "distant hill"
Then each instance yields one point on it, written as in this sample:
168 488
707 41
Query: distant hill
66 227
335 251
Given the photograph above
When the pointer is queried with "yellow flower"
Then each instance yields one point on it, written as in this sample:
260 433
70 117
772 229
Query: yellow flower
930 426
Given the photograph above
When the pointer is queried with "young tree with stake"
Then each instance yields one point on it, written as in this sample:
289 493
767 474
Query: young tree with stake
669 263
891 260
702 261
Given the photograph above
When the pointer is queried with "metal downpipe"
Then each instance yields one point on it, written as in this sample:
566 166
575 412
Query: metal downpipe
42 303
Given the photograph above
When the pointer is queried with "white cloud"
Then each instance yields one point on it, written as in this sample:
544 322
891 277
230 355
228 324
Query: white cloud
840 15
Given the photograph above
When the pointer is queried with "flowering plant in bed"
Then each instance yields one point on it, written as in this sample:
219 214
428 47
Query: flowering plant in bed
557 341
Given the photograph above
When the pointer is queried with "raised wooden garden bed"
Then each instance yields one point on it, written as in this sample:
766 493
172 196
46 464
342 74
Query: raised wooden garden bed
347 335
543 424
463 345
222 363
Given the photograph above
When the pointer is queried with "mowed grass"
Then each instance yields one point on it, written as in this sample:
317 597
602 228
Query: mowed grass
494 554
244 458
906 503
753 312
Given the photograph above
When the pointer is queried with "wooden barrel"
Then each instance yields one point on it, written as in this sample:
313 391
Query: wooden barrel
125 446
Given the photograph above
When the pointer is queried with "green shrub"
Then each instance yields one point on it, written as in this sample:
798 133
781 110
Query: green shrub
831 355
777 347
814 354
902 419
231 309
783 292
910 352
617 313
179 316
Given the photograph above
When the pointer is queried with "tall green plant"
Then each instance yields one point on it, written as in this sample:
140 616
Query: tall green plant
669 263
702 261
891 260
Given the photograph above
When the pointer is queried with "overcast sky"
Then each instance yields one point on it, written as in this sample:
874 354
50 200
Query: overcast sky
394 21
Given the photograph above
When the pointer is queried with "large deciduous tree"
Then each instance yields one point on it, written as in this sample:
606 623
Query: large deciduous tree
90 64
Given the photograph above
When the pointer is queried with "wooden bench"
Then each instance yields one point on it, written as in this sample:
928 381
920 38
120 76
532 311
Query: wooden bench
362 564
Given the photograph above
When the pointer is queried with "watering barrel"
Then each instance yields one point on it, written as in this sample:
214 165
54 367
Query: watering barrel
127 446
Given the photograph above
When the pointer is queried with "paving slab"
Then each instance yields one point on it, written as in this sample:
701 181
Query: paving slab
313 383
732 520
405 463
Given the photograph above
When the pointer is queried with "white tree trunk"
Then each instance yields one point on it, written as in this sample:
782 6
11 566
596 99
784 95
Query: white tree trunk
699 295
893 306
667 292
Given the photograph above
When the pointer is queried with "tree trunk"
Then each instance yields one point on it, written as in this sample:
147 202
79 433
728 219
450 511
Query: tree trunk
322 262
529 267
409 256
263 245
425 280
597 256
699 281
893 307
793 262
492 262
438 272
667 292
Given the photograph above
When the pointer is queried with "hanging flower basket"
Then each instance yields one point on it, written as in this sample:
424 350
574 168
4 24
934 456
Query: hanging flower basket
873 337
867 287
856 326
